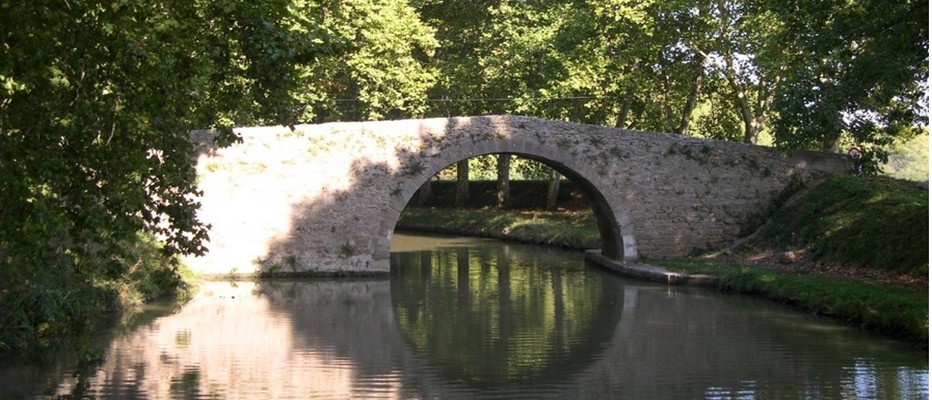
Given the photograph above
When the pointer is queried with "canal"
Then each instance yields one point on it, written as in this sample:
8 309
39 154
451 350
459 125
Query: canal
476 318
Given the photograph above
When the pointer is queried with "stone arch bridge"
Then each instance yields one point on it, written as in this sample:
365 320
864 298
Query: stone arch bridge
324 199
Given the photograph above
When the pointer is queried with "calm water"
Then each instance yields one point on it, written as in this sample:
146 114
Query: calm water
473 318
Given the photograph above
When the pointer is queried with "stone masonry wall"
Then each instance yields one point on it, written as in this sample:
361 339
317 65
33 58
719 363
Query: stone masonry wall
325 198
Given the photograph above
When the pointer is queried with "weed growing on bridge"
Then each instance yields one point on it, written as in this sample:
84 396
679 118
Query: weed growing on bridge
347 250
212 166
292 262
703 156
413 167
752 163
381 142
288 133
616 152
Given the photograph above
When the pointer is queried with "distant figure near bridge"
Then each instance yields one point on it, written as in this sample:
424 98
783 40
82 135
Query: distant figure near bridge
324 199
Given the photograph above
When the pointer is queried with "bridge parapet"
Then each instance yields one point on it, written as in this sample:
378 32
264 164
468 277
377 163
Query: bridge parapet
325 198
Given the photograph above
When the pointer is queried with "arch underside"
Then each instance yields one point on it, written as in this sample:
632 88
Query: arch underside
612 217
613 245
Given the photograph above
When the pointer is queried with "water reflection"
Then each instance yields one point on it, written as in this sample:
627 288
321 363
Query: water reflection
493 314
480 320
234 340
478 311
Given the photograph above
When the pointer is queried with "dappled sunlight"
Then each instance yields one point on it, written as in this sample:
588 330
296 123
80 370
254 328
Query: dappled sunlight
262 182
266 183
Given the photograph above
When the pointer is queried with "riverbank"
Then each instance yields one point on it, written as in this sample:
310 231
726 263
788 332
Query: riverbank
66 307
815 270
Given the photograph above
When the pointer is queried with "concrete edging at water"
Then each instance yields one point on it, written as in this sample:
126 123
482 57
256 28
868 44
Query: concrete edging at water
631 269
650 272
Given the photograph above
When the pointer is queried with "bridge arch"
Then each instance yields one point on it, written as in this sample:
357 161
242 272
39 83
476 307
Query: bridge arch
611 215
325 199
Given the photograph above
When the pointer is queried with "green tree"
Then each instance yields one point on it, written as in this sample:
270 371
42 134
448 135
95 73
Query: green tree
734 42
623 63
459 25
96 102
910 159
383 70
859 71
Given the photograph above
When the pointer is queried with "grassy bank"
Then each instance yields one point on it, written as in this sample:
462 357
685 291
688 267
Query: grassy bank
570 229
895 310
859 226
872 222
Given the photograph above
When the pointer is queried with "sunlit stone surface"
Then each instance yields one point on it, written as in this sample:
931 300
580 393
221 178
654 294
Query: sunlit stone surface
325 198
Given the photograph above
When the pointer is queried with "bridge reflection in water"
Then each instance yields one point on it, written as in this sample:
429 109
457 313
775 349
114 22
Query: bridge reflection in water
475 319
490 315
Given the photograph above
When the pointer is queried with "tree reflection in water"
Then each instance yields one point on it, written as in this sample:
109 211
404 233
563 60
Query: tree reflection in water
491 315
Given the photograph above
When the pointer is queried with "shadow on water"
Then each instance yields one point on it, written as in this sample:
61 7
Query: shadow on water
646 340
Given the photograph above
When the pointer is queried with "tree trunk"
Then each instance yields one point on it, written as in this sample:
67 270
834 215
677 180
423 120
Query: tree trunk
832 145
664 106
625 108
628 99
462 183
666 111
504 185
750 133
553 189
425 193
683 128
741 102
753 122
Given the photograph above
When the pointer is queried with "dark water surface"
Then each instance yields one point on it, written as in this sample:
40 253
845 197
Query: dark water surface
475 318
